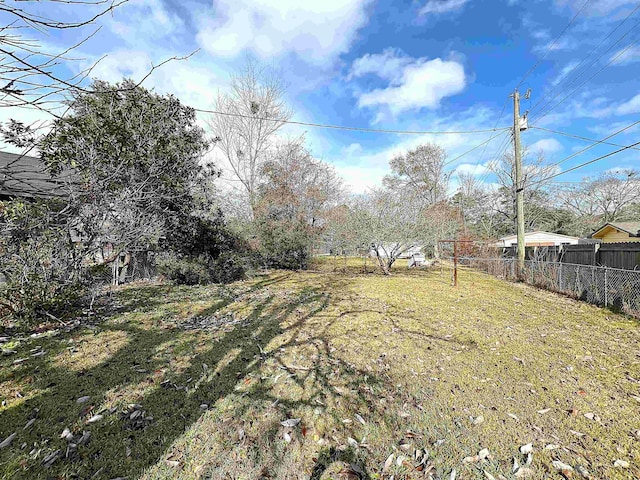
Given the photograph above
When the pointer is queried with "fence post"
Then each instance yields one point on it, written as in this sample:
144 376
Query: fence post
560 279
606 289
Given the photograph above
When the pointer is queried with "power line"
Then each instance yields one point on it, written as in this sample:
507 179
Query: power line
448 162
579 137
622 52
504 107
497 154
487 171
587 163
580 152
531 70
357 129
602 40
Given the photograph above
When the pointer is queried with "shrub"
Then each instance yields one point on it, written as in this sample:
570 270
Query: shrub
229 267
284 245
202 269
202 251
41 272
184 270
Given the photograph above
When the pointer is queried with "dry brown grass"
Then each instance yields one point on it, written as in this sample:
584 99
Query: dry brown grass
414 357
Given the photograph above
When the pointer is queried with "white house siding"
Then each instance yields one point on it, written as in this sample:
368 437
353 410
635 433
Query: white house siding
388 248
538 239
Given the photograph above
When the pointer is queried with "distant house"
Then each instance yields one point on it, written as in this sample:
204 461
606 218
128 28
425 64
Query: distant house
618 232
24 176
383 250
538 239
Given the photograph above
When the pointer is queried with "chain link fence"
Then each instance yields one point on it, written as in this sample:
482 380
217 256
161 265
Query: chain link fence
611 287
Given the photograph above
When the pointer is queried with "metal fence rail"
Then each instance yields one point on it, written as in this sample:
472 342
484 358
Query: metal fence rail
611 287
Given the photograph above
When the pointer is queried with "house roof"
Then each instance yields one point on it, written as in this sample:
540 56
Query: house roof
27 176
632 228
508 237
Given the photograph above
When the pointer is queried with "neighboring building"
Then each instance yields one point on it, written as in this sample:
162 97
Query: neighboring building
23 176
538 239
618 232
383 251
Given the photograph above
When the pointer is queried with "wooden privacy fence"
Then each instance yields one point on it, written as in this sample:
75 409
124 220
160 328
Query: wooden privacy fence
625 256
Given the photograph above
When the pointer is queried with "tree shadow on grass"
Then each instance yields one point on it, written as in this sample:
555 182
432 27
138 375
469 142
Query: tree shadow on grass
119 446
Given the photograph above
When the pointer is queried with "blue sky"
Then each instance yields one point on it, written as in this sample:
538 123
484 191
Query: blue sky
417 65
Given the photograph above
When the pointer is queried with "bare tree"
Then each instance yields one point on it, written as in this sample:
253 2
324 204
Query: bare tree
421 171
292 204
534 182
603 198
30 70
478 204
249 116
392 222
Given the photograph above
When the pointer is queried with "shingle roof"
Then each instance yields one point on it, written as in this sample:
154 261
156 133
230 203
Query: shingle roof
632 228
27 176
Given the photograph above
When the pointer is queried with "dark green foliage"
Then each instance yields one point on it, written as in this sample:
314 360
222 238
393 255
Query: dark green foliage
230 266
42 274
134 159
193 235
203 250
202 269
284 244
184 270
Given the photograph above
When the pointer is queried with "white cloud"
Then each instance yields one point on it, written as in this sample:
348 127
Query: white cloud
385 65
352 149
471 169
546 145
626 56
359 179
364 168
442 6
195 83
563 73
33 117
316 31
144 21
627 108
413 83
607 129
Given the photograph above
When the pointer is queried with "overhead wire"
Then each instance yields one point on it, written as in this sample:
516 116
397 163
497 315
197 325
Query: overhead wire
449 162
357 129
566 76
580 152
579 137
550 109
564 30
497 154
602 157
485 175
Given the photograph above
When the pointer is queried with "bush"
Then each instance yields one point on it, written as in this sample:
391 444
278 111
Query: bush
229 267
184 270
202 269
41 272
202 251
284 245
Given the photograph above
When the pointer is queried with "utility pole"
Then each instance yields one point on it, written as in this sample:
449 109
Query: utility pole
518 185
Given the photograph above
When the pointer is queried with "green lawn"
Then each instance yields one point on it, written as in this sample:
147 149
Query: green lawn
374 366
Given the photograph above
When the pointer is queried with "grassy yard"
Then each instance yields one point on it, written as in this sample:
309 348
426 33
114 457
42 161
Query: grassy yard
402 375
